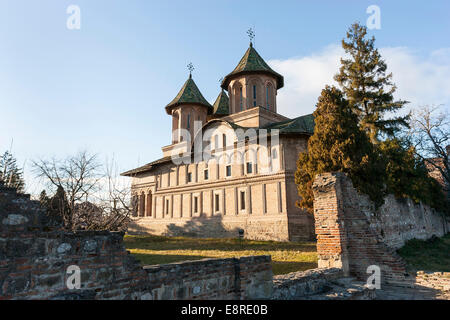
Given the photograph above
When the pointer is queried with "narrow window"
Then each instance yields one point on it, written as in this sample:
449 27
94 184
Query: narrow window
249 167
216 142
274 153
269 96
228 169
167 206
240 98
206 174
264 199
195 204
242 200
216 202
224 140
188 120
254 95
189 176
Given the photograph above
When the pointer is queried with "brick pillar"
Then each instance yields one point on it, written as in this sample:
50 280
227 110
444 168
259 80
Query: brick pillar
329 223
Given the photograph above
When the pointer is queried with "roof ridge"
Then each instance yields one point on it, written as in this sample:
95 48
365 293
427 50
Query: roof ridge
222 104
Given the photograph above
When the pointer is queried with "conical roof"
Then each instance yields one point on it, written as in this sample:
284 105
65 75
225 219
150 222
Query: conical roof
252 62
222 104
189 94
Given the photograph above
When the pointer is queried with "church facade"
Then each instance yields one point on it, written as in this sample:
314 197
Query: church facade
230 166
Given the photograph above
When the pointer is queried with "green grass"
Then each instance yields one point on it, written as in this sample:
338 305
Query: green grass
286 256
427 255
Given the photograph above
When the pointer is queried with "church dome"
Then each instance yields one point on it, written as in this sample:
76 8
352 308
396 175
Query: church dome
222 105
189 94
252 63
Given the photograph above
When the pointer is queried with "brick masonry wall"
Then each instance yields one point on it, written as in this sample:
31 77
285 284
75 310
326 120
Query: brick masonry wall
35 255
352 235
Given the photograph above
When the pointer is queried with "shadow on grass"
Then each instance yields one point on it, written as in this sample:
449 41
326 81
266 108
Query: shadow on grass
223 244
151 259
190 236
283 267
278 267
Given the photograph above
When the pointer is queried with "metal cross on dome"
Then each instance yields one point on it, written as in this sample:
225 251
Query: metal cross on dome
251 34
190 67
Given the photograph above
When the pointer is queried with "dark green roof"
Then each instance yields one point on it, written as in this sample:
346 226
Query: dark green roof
222 104
303 124
252 62
146 167
189 94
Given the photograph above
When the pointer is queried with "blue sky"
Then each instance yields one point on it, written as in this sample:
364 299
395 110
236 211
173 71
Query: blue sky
104 87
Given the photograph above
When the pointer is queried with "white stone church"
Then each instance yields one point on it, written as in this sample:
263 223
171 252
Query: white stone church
230 166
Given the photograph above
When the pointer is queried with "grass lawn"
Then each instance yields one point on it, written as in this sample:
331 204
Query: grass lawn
427 255
286 256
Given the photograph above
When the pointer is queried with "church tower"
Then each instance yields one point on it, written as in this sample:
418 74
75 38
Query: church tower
252 84
188 107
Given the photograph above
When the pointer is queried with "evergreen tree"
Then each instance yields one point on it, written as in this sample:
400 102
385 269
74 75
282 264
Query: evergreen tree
407 175
10 174
366 85
338 144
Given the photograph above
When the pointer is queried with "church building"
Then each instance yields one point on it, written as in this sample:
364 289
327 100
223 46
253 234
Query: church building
230 166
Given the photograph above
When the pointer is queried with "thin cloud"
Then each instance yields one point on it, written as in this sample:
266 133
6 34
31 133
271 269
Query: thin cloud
420 80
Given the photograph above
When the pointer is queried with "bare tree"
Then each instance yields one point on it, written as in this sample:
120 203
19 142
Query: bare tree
92 199
113 200
430 134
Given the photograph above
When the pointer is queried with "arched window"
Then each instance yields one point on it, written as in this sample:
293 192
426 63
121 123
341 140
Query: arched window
148 211
241 100
254 95
142 205
269 96
216 141
224 140
238 104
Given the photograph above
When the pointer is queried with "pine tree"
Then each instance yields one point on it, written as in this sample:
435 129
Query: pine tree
366 85
10 174
338 144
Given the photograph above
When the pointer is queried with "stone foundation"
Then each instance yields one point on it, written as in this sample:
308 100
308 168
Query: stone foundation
270 227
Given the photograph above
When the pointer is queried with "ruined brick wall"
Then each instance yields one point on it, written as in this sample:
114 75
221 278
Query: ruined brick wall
352 235
34 257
